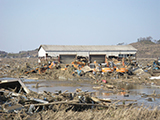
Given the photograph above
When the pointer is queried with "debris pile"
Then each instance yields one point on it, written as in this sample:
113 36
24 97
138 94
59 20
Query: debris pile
80 69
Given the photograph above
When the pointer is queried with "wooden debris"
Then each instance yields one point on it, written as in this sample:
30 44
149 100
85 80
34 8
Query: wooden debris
53 103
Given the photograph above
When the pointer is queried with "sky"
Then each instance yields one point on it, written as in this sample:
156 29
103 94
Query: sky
27 24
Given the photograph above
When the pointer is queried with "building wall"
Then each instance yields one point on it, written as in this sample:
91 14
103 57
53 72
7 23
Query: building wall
85 54
41 52
55 54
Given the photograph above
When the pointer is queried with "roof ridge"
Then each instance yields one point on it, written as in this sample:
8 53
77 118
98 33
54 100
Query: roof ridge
87 47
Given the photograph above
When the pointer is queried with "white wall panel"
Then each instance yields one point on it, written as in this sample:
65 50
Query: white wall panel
41 52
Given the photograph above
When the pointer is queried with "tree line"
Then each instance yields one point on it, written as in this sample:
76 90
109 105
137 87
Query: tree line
148 39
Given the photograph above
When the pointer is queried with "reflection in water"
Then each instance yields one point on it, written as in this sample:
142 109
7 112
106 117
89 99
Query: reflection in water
53 86
134 91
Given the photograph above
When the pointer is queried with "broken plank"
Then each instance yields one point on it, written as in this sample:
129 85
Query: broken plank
53 103
100 100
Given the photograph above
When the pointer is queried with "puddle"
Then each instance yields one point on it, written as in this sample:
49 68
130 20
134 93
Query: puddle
53 86
7 78
134 91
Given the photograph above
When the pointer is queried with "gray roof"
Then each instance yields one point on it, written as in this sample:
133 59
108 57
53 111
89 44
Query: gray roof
88 47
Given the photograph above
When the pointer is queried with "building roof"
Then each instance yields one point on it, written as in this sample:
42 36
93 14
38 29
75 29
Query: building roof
88 48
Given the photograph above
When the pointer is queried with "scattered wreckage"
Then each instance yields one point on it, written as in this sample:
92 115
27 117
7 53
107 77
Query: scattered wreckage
15 97
81 66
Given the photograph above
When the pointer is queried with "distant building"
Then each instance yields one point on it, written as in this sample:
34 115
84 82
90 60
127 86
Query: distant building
67 53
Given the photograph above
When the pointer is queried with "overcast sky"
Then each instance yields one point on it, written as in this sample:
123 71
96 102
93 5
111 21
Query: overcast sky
26 24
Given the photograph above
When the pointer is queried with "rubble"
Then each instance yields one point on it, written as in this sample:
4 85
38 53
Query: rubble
79 69
16 85
16 98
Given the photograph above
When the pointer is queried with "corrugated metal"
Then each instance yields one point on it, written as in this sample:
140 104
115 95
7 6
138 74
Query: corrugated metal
88 47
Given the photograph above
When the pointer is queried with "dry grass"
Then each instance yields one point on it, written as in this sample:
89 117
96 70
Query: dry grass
119 114
112 114
147 50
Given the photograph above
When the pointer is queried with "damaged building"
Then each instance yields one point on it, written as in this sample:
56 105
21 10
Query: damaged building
67 53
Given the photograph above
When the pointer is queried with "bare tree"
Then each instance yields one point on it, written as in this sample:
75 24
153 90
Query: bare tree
120 43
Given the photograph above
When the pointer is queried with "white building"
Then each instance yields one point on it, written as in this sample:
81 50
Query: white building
66 53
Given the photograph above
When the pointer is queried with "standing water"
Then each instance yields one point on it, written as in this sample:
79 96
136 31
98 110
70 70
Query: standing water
140 93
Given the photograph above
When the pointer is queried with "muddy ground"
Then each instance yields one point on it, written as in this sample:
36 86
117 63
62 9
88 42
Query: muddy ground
17 68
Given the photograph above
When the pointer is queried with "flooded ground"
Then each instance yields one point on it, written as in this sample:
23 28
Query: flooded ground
140 93
54 86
